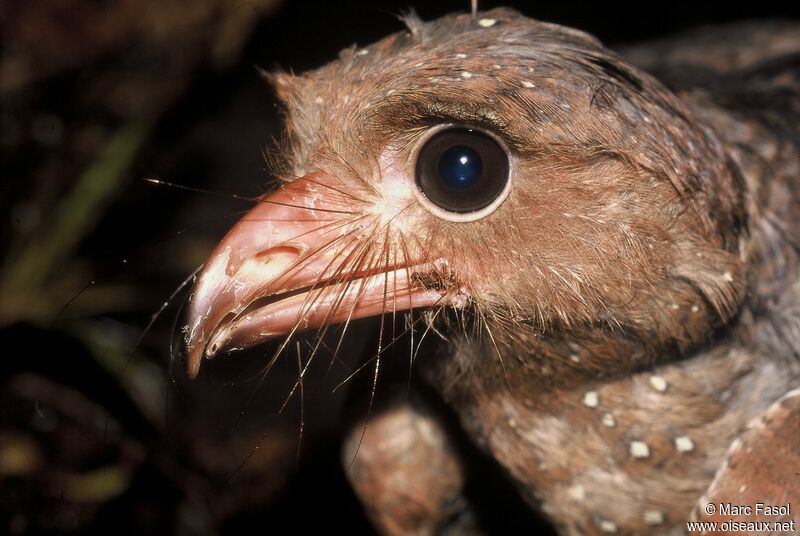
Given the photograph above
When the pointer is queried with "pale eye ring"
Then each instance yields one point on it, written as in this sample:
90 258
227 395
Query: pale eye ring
462 173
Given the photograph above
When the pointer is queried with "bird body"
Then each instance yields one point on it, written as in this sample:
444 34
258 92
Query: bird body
618 278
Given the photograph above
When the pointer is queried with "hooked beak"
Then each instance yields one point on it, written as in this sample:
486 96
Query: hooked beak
298 261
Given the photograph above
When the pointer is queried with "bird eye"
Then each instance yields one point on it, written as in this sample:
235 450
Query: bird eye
462 170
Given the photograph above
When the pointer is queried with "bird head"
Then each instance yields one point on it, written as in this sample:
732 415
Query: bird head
513 170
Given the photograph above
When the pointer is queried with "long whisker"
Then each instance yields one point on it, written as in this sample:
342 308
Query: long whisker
350 170
273 360
374 387
70 302
244 462
263 375
316 209
346 195
428 328
346 324
150 324
372 391
404 249
385 348
230 195
339 275
385 227
329 315
163 307
303 309
172 364
496 349
302 406
320 250
298 263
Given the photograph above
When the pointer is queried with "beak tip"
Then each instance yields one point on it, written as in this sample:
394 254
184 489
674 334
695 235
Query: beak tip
193 360
195 349
191 371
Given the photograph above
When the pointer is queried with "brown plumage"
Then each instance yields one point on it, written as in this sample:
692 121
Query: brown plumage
612 325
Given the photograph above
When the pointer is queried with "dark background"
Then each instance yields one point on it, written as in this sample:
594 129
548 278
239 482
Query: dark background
101 432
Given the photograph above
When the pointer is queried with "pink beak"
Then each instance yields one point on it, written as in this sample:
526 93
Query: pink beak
297 261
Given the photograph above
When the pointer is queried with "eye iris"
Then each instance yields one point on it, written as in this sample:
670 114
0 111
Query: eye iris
462 170
460 167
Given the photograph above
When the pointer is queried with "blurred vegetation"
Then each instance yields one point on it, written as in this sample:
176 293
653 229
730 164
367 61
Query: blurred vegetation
90 80
97 434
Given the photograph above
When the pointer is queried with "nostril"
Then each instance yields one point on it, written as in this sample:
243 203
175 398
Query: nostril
279 252
269 264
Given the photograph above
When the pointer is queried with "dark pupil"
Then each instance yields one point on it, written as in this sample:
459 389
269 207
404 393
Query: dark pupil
460 167
462 170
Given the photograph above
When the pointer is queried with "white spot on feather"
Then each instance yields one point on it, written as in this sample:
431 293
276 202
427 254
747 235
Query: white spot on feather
466 74
658 383
608 420
653 517
577 492
608 526
727 277
528 84
486 23
639 449
684 444
591 399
